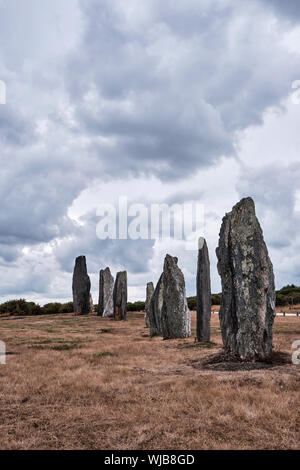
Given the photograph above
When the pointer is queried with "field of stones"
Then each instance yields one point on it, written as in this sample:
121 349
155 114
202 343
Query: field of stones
166 378
84 382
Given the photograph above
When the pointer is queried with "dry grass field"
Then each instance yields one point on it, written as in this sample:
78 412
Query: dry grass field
93 383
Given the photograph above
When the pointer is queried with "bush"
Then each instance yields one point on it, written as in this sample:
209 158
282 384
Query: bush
36 309
192 303
51 308
66 308
287 295
135 306
281 300
20 307
216 299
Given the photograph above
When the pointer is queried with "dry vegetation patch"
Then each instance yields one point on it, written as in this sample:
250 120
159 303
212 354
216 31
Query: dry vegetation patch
89 382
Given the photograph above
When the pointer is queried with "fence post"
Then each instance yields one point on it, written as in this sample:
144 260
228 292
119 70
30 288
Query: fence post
2 352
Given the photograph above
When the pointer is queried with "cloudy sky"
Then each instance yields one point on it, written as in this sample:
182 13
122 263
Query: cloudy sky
161 101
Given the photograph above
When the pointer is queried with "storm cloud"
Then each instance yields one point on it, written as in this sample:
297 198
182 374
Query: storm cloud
151 99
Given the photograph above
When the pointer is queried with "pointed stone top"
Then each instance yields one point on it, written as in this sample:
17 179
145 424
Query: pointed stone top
246 203
201 242
81 257
80 262
171 259
121 275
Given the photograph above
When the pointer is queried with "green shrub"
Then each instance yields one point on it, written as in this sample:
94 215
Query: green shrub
20 307
287 295
135 306
66 308
216 299
192 303
51 308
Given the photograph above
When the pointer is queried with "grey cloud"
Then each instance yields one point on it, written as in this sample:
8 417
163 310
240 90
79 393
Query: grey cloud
168 90
35 199
26 276
274 190
159 89
289 9
184 196
132 255
14 127
9 253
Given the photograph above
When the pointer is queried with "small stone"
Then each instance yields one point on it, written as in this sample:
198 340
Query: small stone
81 286
120 296
149 293
106 289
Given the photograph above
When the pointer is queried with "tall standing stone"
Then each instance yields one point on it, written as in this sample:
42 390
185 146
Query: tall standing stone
155 309
120 296
106 289
149 293
81 286
175 315
203 292
248 294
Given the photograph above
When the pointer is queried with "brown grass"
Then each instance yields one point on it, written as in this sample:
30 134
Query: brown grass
92 383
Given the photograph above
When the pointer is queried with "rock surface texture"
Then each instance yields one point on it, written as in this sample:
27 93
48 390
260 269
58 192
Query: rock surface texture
248 294
149 293
175 315
106 290
81 286
120 296
155 308
203 292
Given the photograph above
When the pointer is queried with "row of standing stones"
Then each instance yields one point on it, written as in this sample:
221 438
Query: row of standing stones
247 308
112 295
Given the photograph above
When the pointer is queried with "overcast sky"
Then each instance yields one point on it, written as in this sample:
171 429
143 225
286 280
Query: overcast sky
160 101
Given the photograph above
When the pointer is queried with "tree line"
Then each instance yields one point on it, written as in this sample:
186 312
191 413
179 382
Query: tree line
288 295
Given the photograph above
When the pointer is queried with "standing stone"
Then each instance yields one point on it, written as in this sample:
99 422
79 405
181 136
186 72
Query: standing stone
248 294
81 287
106 290
91 305
155 308
175 315
120 296
203 292
149 293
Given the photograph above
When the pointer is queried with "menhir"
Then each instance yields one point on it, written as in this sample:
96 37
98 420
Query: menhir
248 293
